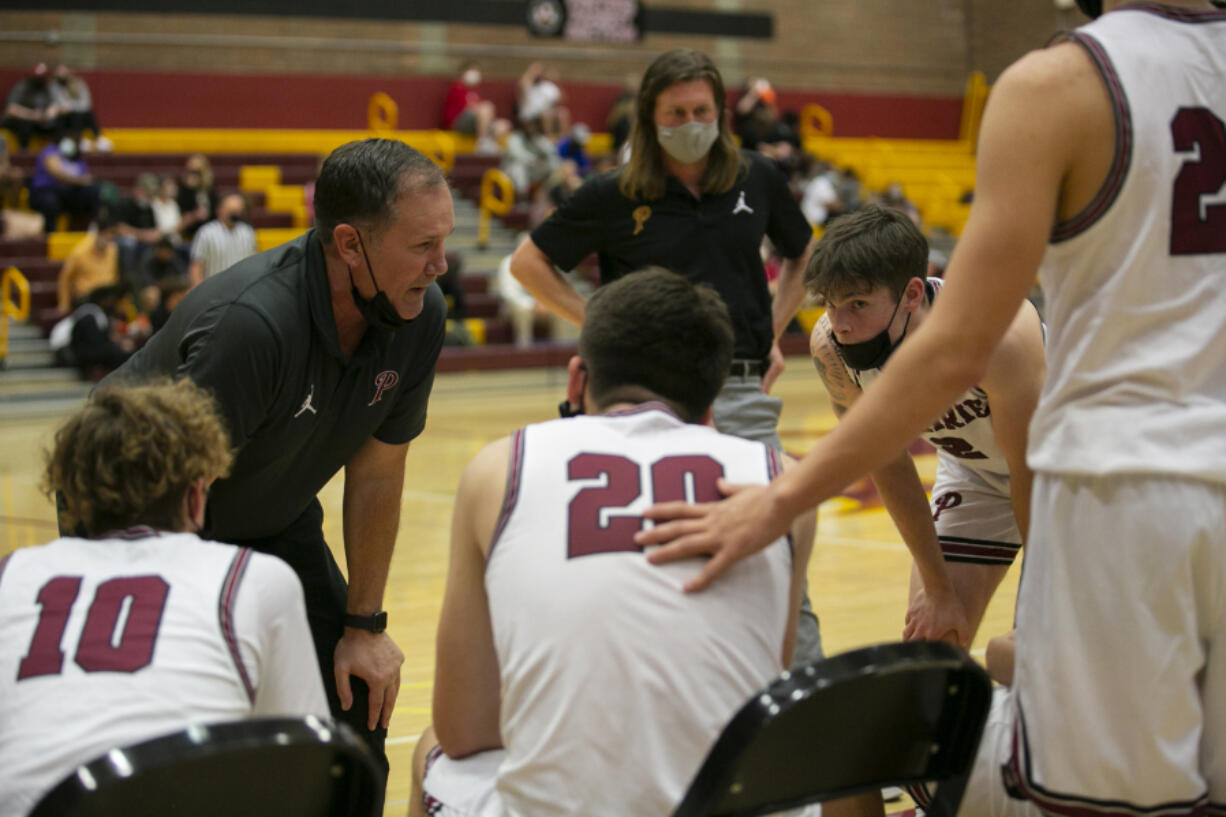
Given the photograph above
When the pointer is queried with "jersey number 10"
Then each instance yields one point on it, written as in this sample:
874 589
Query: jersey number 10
100 648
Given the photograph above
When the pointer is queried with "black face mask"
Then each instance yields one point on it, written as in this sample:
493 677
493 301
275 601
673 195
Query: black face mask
874 352
378 311
1090 8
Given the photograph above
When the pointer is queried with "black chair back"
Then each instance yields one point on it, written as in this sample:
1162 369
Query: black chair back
253 768
888 715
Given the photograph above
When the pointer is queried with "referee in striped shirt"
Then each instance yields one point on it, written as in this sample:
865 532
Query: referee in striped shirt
223 242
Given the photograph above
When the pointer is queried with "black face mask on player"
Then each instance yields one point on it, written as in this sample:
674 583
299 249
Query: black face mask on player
378 311
874 352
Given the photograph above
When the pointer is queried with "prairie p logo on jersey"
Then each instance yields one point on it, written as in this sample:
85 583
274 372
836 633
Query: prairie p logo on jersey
640 216
384 381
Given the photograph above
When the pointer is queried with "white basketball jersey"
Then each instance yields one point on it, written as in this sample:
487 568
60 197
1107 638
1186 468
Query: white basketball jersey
615 683
1136 283
109 642
964 433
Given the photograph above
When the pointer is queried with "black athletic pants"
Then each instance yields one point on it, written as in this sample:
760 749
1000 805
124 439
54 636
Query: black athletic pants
302 546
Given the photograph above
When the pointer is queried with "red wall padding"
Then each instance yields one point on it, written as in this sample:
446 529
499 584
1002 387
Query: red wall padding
139 99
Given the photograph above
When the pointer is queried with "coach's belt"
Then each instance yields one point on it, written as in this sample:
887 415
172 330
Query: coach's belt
747 368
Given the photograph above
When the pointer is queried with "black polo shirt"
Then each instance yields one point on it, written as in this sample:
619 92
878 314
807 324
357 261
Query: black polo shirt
261 336
714 240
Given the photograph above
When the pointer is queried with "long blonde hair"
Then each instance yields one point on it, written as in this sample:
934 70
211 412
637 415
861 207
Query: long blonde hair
643 176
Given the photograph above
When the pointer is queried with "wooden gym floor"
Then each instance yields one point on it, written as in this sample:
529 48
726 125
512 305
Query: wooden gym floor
858 575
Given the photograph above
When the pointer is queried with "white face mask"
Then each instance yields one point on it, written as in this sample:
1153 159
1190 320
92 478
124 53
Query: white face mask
688 143
471 77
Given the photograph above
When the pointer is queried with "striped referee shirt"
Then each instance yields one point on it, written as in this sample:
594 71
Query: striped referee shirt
218 248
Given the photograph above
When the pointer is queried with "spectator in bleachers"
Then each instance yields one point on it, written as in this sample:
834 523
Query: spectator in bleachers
197 198
541 98
893 197
573 146
170 293
90 338
136 224
93 263
62 183
159 263
529 157
466 112
166 214
74 106
757 121
29 110
523 311
621 112
819 198
849 187
223 242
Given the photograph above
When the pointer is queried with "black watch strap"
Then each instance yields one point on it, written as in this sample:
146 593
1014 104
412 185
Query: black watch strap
376 623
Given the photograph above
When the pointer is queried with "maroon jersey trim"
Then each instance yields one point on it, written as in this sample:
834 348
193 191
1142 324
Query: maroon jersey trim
1122 159
1177 14
1019 783
225 611
511 494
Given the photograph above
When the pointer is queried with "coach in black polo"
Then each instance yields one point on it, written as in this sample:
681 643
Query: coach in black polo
689 201
321 355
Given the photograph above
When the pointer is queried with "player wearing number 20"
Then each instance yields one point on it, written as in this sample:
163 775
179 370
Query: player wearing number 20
869 271
560 649
143 628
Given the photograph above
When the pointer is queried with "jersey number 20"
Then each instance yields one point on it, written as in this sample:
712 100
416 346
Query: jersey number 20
669 477
100 648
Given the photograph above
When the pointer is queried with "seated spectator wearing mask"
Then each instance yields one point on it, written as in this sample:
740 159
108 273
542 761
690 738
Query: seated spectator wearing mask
62 183
224 242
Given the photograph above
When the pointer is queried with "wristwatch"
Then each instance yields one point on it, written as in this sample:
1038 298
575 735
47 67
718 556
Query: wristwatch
375 623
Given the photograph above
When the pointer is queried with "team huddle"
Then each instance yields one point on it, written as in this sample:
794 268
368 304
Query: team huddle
622 578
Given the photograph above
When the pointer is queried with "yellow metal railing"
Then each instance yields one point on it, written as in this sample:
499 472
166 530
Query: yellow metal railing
12 279
973 101
497 197
382 113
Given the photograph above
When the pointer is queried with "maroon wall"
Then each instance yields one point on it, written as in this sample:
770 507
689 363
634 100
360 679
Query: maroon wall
135 99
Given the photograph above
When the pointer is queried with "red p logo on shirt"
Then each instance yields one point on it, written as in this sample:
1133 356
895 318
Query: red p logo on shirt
384 381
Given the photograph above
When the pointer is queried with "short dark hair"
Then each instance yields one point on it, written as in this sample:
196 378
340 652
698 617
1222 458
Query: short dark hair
874 246
654 335
361 181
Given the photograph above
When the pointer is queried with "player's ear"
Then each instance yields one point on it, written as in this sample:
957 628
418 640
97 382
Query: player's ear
576 381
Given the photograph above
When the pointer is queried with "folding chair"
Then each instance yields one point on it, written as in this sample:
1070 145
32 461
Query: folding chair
252 768
889 715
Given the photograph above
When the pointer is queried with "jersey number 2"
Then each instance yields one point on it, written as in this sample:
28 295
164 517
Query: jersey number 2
588 535
100 648
1197 226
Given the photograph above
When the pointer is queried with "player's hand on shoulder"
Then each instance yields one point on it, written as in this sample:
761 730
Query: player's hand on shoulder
738 526
376 659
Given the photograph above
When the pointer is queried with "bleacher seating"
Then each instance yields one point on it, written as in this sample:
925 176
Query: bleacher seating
935 174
